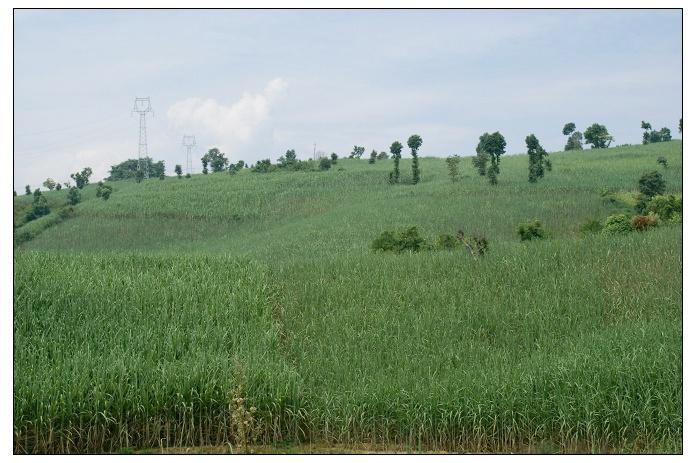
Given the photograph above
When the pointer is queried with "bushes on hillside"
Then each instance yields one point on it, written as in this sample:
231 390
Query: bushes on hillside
531 230
411 240
667 207
104 191
617 223
650 184
643 222
591 226
74 196
39 207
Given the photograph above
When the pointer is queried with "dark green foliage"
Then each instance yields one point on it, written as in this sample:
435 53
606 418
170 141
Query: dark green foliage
395 150
188 175
569 128
477 245
39 207
27 190
538 158
74 196
325 164
66 212
204 161
617 223
651 184
407 240
598 136
288 160
373 157
49 183
447 241
215 159
591 226
574 142
177 170
82 178
414 143
453 167
59 186
357 152
654 136
139 176
382 155
263 166
480 161
334 158
662 161
531 230
104 191
129 168
493 146
162 177
665 206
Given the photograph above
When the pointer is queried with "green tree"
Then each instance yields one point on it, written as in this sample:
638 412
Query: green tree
58 186
414 143
538 158
334 158
453 167
382 155
574 142
39 207
104 191
324 163
651 184
598 136
49 183
357 152
490 147
215 159
204 161
139 176
130 167
82 178
373 157
569 128
74 196
177 170
27 190
395 150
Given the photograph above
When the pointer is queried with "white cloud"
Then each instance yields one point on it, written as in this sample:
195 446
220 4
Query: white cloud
235 123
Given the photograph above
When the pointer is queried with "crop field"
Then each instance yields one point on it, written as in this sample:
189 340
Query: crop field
250 310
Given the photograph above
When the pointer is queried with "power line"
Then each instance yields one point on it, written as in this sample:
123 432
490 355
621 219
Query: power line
189 142
142 106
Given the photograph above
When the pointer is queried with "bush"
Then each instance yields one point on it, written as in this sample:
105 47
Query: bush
664 206
407 240
476 244
531 230
446 241
643 222
662 161
590 226
324 164
617 223
73 196
651 184
66 212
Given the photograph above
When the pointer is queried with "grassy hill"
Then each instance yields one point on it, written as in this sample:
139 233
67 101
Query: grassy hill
136 319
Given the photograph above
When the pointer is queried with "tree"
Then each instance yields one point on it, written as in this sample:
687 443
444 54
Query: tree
162 176
382 155
651 184
395 150
139 176
289 160
177 170
373 157
569 128
325 163
130 167
453 167
39 207
215 159
414 142
103 191
538 158
264 166
493 146
204 161
661 160
74 196
574 142
58 186
49 183
598 136
27 190
334 158
357 152
82 178
654 136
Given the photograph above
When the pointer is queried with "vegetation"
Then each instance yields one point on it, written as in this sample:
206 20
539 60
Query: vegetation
357 152
177 170
598 136
532 230
74 196
453 167
414 143
538 158
395 149
140 322
82 178
215 159
575 137
654 136
490 148
136 168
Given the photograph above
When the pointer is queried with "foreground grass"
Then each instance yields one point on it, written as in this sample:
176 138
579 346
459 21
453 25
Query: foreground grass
551 343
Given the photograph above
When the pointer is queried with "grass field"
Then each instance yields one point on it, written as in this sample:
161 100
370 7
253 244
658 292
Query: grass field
139 321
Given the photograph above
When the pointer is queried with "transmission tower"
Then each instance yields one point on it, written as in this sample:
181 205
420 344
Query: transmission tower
142 107
189 142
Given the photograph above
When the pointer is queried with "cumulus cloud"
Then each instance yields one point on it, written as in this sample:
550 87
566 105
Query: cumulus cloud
237 122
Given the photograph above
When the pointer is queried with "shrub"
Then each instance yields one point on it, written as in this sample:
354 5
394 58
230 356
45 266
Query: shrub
334 158
643 222
590 226
73 196
263 166
39 207
531 230
66 212
664 206
662 161
476 244
453 167
407 240
324 164
446 241
651 184
617 223
188 175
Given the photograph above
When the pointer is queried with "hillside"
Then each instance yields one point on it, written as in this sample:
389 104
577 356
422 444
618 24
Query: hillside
139 321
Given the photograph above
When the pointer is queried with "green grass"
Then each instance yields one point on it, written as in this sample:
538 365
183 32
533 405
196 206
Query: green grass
133 320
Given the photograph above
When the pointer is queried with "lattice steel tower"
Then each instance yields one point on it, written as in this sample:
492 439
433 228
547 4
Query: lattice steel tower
189 142
142 107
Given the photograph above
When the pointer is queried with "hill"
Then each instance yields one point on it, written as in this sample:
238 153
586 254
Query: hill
141 320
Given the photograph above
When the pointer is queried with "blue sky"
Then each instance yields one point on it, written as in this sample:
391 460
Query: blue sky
255 83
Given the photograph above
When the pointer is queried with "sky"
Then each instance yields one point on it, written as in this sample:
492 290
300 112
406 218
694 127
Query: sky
255 83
